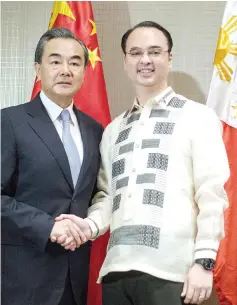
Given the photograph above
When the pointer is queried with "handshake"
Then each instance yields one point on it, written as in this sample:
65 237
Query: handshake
70 231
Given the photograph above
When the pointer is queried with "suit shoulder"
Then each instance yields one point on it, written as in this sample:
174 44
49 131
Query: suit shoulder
12 109
13 112
90 121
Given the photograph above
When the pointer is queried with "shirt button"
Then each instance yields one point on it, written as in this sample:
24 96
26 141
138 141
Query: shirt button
142 123
137 146
129 195
134 169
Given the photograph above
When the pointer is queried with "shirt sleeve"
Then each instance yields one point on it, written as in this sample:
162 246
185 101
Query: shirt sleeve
211 172
100 212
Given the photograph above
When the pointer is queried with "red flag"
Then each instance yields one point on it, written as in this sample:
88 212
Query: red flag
77 16
223 99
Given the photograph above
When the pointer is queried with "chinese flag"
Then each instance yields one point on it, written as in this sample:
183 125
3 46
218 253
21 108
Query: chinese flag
223 99
77 16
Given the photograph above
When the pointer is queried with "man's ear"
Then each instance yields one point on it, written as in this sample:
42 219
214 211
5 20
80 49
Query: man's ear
170 60
37 70
124 62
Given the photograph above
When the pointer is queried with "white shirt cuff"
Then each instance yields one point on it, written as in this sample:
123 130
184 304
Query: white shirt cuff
94 228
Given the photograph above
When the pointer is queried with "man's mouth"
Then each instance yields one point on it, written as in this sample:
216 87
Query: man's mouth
64 83
146 71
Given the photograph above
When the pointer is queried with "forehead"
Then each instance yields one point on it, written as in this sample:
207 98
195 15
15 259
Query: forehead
65 47
146 37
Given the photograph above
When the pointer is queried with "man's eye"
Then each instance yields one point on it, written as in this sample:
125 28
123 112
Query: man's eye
55 62
75 64
157 52
136 53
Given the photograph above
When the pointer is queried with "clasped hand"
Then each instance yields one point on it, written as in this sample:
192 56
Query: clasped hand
70 231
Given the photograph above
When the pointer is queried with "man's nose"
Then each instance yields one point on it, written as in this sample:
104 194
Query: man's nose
145 58
65 70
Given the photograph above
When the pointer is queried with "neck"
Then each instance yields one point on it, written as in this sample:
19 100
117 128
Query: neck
145 93
61 101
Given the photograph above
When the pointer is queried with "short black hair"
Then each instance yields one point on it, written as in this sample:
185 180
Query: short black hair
147 24
57 33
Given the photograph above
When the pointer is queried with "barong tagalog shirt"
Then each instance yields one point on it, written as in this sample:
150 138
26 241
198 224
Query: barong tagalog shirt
161 187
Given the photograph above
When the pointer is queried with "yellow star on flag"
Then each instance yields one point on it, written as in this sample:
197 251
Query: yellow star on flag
63 8
93 57
224 47
93 31
235 109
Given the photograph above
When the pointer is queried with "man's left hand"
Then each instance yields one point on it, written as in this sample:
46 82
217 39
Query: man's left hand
198 285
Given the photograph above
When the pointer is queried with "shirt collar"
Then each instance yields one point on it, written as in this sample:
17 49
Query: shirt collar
55 110
164 96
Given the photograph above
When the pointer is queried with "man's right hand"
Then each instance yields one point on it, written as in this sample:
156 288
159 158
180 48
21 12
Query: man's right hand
79 222
68 234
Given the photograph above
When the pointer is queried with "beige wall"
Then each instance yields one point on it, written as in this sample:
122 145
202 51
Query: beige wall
194 27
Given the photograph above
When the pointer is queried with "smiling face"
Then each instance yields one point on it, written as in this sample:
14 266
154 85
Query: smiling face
62 69
147 60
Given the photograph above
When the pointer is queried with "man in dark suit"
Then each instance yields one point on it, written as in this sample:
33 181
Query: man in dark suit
50 159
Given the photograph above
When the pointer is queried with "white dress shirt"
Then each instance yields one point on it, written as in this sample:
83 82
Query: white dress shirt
54 112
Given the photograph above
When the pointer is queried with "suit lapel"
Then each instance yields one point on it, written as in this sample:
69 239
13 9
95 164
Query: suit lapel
41 123
87 139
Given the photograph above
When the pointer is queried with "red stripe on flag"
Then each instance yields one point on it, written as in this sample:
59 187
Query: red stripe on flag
225 272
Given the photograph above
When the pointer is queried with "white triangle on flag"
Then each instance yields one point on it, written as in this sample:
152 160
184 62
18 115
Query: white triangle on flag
222 95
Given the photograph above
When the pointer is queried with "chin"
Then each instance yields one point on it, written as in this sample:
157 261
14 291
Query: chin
65 93
147 83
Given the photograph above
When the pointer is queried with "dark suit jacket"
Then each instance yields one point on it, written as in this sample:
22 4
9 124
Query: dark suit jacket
36 186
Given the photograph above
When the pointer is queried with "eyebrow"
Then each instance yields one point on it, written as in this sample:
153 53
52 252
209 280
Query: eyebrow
72 57
151 47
